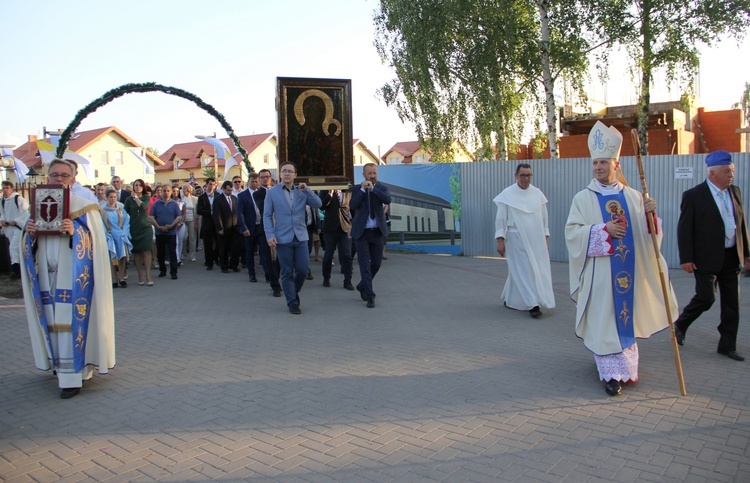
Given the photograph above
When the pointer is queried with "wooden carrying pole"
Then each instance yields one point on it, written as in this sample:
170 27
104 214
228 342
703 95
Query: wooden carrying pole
657 254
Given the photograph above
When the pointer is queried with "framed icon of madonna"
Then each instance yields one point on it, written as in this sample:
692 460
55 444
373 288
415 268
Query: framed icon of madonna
315 130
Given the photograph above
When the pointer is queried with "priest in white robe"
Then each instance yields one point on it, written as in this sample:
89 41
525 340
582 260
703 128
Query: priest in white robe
14 211
522 234
614 272
68 292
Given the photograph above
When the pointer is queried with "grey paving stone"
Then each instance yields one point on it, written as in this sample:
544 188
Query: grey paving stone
439 382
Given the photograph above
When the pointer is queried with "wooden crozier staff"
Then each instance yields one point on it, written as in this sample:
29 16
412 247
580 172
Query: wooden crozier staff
657 253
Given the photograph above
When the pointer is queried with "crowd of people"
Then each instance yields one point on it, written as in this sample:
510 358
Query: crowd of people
610 234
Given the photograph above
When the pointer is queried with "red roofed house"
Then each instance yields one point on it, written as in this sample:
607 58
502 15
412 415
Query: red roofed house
182 159
362 155
108 151
411 152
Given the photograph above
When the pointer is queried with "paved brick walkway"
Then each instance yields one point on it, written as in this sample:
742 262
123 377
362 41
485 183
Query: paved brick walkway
216 380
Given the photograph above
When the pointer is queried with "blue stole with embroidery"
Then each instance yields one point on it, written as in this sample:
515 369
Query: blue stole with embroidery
83 288
615 208
82 291
40 299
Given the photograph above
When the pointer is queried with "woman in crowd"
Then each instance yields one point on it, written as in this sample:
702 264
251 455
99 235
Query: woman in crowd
198 241
191 221
181 229
154 197
117 223
141 231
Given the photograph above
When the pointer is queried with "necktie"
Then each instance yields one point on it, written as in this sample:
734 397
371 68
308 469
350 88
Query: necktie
372 205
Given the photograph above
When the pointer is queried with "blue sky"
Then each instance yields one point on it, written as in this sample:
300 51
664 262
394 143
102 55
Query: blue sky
59 56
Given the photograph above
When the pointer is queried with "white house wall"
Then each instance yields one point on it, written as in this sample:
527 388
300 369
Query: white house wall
130 169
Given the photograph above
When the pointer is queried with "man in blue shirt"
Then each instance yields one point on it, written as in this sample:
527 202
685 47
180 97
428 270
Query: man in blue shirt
164 216
286 230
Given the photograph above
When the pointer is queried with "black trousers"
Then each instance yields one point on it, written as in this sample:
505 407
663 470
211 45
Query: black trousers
167 245
210 248
727 281
370 256
230 245
271 268
340 241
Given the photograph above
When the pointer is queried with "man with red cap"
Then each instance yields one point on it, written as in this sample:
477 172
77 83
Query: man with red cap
712 239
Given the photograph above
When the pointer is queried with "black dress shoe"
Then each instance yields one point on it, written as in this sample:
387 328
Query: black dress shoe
224 270
294 309
731 354
348 285
679 335
69 392
253 279
210 267
370 303
326 282
277 293
174 276
613 387
235 269
535 312
309 275
162 274
362 294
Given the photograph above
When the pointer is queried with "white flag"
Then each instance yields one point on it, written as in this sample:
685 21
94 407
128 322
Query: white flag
47 152
138 153
18 166
222 152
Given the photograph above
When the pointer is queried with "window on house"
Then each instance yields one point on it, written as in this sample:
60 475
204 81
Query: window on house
265 158
104 157
118 157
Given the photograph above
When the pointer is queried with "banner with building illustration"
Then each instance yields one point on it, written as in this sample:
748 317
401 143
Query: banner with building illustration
425 206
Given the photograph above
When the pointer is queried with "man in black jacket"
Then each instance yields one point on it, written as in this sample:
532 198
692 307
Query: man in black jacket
227 221
270 265
337 224
713 242
204 209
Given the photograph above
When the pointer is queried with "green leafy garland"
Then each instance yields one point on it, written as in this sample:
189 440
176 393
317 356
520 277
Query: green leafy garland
150 87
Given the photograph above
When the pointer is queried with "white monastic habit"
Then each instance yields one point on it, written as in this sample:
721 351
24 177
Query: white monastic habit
522 221
14 208
590 249
53 258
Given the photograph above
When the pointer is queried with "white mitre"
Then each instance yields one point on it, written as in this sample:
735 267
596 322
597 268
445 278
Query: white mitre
604 142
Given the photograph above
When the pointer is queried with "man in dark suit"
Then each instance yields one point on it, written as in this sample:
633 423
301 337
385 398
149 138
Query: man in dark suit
713 241
204 208
252 228
269 264
122 194
286 229
368 228
227 222
336 227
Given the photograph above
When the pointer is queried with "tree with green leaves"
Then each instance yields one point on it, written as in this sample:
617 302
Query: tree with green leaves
468 69
209 173
744 104
667 34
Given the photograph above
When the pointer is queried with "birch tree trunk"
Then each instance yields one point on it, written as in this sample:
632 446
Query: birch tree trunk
549 82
